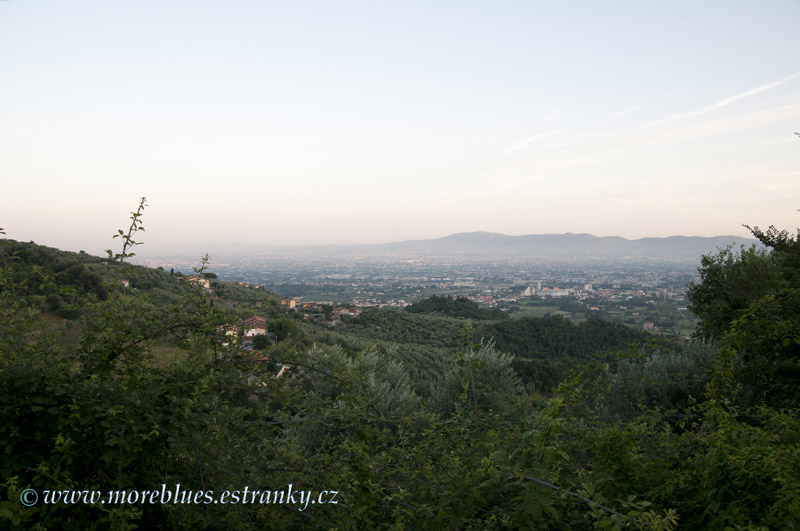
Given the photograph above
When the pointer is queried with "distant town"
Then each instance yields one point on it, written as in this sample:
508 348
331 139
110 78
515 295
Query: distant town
647 294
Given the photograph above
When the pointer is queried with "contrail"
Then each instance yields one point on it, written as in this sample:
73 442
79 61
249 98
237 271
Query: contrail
727 101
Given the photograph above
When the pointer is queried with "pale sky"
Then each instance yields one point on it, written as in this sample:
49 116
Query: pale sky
310 122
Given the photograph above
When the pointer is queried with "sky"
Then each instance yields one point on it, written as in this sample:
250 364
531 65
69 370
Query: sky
256 122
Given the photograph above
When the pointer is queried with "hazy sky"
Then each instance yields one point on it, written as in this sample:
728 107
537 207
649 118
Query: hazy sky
371 121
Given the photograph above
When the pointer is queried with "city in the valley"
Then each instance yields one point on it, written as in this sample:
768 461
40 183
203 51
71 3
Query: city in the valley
648 294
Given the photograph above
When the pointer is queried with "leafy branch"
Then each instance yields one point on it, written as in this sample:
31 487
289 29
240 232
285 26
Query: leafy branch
127 239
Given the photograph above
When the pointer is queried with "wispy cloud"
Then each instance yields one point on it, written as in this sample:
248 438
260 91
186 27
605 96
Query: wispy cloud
602 159
727 101
552 116
525 142
625 112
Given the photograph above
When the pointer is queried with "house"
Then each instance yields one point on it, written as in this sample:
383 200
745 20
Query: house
350 312
253 331
197 280
227 330
254 319
254 325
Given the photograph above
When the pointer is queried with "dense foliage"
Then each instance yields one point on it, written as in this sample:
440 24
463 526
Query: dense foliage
751 301
28 266
454 307
137 390
557 337
546 349
402 327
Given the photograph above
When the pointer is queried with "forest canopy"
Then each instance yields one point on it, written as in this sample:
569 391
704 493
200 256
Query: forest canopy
454 307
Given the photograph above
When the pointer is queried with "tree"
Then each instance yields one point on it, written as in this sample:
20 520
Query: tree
260 342
283 328
749 302
729 282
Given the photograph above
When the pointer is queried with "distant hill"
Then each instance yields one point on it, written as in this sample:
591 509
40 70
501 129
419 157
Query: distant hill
492 244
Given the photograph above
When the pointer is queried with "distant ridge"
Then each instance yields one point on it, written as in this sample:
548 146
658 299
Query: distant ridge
559 245
492 245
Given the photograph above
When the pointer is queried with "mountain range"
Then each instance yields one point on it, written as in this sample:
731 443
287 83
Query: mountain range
548 245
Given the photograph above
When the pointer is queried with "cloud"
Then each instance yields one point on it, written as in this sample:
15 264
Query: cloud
596 160
525 142
727 101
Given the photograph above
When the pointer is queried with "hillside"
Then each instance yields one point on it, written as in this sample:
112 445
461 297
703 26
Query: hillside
119 377
52 278
426 337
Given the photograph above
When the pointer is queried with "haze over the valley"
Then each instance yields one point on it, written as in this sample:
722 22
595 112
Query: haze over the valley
492 246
